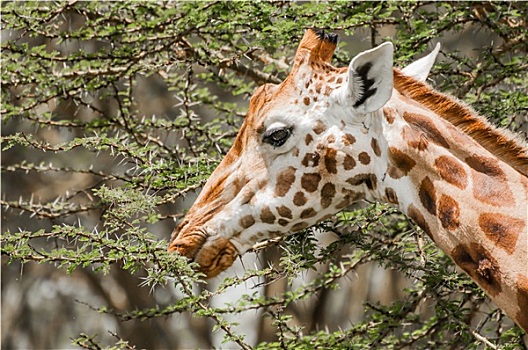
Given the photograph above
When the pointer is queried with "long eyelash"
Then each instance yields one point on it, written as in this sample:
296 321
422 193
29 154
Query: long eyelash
267 137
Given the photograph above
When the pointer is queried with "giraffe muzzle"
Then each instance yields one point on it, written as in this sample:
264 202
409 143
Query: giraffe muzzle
213 254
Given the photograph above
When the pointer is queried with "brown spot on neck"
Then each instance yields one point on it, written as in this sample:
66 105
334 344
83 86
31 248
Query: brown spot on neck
401 163
485 165
448 212
502 230
451 170
427 195
480 265
425 125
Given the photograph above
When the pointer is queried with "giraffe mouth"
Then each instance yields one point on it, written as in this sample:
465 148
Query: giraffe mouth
214 255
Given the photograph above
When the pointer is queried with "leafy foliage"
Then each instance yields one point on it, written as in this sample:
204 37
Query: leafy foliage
115 113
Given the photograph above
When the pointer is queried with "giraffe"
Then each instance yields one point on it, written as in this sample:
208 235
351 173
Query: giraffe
327 137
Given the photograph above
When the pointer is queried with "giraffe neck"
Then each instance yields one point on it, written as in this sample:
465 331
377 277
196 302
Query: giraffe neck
470 202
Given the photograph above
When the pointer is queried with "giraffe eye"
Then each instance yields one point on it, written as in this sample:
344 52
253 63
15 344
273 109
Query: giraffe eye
277 136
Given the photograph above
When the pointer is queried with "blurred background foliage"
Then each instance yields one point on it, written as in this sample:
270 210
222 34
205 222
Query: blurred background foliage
115 113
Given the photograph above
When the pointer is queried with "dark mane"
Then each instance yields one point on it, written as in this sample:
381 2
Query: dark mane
499 142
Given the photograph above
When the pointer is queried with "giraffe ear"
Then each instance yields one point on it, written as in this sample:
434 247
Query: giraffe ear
420 69
370 78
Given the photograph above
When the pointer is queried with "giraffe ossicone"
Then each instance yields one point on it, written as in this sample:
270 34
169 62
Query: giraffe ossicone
327 137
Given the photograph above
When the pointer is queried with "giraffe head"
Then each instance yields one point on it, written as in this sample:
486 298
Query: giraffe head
301 155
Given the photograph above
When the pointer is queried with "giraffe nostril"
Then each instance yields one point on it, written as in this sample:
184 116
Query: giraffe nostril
176 246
